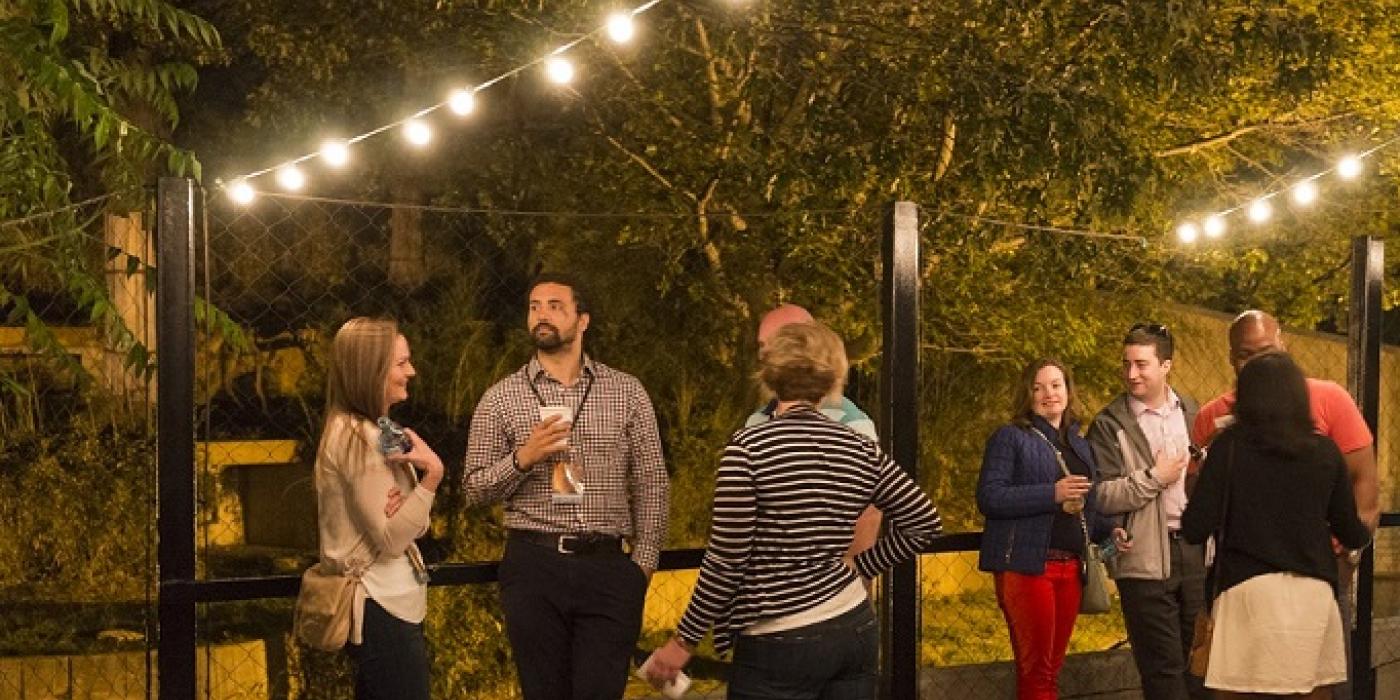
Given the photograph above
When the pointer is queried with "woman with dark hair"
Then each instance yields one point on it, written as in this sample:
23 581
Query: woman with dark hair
1034 490
777 583
1273 492
372 503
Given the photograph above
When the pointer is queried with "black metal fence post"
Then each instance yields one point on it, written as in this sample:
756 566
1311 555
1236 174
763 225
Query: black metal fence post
176 204
1364 381
899 408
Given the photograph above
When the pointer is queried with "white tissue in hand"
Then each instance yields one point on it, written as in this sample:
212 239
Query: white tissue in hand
674 689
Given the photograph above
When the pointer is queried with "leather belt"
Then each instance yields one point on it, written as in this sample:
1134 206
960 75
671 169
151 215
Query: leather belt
1053 554
582 543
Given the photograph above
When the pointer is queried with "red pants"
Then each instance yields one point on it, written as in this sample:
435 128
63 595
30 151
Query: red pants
1040 612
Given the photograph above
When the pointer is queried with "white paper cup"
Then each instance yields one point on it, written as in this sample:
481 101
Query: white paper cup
565 413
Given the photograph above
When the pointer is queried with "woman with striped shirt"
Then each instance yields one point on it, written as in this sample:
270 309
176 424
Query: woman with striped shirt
776 584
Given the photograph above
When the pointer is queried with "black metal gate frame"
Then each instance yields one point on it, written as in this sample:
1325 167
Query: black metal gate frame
180 206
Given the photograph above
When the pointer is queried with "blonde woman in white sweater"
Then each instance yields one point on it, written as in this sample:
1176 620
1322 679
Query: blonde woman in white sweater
371 506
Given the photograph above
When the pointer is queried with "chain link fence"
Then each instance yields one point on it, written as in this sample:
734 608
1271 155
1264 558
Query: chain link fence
275 281
77 452
279 277
969 366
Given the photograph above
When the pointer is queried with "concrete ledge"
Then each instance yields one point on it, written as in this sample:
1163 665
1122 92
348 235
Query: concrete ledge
1106 675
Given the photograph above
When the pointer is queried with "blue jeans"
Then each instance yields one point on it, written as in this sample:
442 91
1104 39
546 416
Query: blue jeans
836 659
392 663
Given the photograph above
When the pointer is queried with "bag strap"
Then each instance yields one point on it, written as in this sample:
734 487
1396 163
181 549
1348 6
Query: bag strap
1218 565
1064 469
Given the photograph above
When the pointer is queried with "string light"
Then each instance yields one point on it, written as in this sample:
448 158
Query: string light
1349 167
241 192
1214 226
1305 193
559 70
1187 232
290 177
620 27
335 153
461 102
1260 211
417 132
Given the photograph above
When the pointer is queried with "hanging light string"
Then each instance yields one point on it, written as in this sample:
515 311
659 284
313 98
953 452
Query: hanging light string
336 152
939 211
1260 209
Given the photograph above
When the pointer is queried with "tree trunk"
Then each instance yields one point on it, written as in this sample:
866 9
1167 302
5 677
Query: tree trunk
131 298
406 263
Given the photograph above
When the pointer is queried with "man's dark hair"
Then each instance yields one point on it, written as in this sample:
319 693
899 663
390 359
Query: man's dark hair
1155 334
562 279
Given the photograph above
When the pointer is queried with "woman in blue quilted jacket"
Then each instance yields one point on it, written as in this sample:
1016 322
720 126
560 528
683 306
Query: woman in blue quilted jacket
1034 491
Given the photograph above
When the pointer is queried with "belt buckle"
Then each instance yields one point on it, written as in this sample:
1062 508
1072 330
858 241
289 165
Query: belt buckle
559 547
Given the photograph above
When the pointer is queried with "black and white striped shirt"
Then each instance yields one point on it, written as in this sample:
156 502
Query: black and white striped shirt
786 500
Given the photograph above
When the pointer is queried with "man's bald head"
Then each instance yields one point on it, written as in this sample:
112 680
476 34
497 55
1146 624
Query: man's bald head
1251 333
783 315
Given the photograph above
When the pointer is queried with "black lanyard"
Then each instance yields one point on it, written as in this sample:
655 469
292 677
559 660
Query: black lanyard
588 389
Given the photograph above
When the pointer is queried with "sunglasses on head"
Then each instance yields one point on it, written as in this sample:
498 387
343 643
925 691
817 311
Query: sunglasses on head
1158 329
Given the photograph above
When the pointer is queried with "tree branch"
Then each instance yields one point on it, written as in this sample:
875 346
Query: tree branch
1221 139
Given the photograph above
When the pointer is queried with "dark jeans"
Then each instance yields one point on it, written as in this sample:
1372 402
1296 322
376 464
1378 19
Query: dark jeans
572 620
835 659
1160 617
392 660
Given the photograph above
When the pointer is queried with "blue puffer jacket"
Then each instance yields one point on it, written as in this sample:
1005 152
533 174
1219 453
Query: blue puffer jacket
1016 494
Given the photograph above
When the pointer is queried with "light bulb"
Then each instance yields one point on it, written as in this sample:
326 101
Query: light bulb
241 192
417 132
335 153
1214 226
1305 193
559 70
1349 167
1260 211
1187 232
461 102
620 27
290 177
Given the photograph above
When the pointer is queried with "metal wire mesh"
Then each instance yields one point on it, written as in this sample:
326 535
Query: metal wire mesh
76 453
277 279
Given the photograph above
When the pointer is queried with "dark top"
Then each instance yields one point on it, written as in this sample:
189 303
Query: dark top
1066 533
1282 509
1016 495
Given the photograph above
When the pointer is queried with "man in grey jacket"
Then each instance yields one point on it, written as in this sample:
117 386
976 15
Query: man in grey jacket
1142 443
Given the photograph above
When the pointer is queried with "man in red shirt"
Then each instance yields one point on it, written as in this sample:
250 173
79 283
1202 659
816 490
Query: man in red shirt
1334 414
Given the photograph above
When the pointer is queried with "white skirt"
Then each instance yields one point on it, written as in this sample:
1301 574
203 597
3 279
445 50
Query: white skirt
1277 633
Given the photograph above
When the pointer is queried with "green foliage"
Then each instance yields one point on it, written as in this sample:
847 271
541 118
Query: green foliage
763 141
101 480
87 97
92 70
969 628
